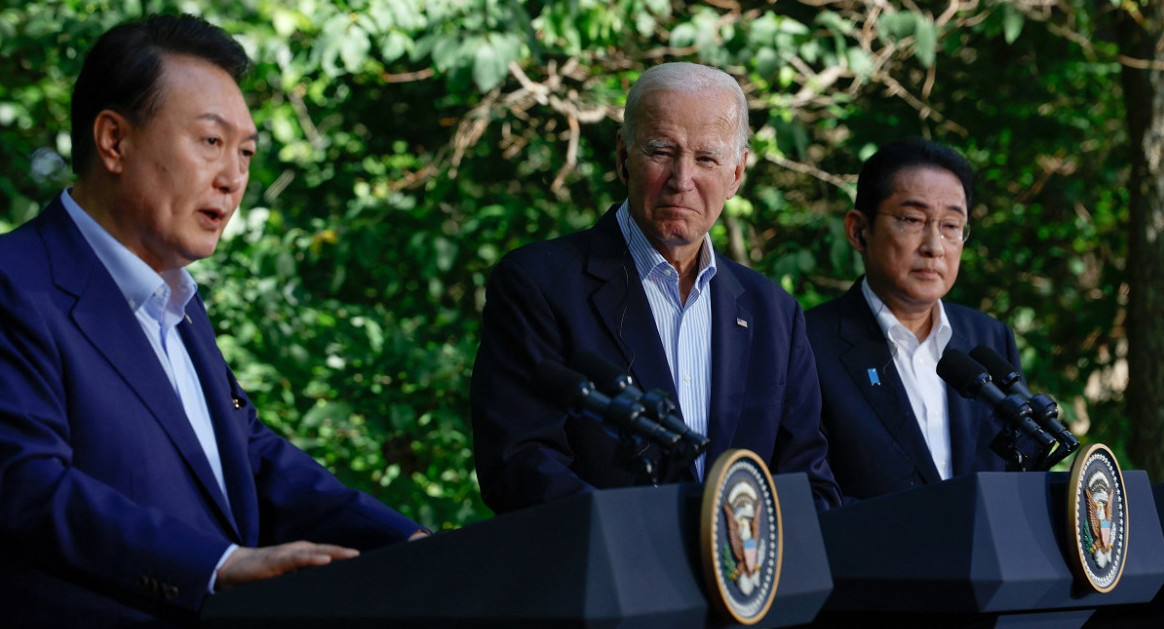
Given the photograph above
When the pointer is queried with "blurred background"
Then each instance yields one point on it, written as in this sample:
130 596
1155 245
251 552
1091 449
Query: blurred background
405 145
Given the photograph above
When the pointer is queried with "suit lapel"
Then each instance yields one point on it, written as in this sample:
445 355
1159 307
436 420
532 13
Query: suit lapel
103 317
230 434
963 430
621 304
732 327
882 387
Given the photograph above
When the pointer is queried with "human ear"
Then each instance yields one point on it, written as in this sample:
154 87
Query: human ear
110 130
857 230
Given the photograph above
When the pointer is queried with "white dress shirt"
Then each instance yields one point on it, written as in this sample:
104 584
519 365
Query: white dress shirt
917 364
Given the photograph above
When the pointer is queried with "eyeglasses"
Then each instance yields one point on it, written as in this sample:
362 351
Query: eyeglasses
912 224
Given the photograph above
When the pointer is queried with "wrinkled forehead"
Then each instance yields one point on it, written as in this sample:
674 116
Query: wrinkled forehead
695 120
196 89
927 188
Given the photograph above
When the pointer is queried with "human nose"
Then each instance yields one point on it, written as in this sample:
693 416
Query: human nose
232 174
932 241
682 173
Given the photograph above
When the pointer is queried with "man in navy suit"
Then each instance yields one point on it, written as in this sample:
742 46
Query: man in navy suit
135 477
892 423
644 290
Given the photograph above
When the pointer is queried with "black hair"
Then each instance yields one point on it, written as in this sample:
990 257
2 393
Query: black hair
121 71
875 182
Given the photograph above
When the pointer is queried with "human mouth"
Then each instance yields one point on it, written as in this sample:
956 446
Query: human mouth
675 207
212 218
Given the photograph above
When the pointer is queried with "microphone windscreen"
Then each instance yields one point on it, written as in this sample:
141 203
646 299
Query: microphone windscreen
1000 369
960 371
604 374
560 383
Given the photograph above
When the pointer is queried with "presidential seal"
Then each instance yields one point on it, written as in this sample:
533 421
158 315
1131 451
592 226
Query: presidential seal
741 536
1097 518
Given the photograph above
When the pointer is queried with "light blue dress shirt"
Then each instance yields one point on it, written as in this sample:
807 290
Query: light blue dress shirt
684 328
159 303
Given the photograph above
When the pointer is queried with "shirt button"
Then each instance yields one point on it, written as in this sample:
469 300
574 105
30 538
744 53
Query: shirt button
687 378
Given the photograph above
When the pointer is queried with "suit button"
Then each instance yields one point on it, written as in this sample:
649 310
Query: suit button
171 592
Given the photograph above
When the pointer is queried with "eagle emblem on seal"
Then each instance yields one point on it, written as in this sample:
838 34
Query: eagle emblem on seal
1098 539
745 543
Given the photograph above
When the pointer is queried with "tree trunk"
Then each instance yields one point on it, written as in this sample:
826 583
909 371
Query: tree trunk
1142 38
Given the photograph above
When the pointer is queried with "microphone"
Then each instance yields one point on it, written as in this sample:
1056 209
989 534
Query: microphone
1044 409
614 382
568 386
971 380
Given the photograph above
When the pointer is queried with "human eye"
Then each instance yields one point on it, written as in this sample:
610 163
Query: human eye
952 229
658 149
912 221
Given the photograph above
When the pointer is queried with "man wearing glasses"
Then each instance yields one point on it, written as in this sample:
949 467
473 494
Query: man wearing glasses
892 423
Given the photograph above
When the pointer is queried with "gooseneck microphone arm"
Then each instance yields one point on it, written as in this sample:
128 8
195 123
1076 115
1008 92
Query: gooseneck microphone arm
1044 409
657 405
628 419
1023 443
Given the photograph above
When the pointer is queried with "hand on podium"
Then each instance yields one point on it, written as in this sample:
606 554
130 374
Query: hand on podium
246 565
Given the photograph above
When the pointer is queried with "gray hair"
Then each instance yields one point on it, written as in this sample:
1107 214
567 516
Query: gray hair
692 78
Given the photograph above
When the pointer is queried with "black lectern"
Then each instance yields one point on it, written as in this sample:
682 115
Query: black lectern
615 558
983 550
1145 616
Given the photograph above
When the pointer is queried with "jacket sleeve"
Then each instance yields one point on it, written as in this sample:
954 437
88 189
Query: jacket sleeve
801 444
60 518
523 456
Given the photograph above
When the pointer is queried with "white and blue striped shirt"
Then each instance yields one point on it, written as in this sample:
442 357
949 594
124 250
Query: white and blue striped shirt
684 328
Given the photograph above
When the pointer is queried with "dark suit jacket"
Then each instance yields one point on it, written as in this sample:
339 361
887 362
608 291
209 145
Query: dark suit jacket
553 300
875 443
109 513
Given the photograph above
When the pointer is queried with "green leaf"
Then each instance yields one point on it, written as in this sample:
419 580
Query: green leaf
767 62
684 35
394 45
1012 23
897 25
446 50
490 66
926 42
354 48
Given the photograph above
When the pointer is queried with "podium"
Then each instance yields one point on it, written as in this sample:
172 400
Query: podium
984 550
1144 616
614 558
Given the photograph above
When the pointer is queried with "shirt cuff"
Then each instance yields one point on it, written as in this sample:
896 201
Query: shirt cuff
221 560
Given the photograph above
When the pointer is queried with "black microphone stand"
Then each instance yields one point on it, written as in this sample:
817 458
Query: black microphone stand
1020 452
659 406
1043 409
1022 443
630 455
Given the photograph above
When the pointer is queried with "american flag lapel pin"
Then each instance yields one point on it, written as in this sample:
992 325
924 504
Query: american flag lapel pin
740 322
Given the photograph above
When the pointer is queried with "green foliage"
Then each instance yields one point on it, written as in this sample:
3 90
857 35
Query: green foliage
406 145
